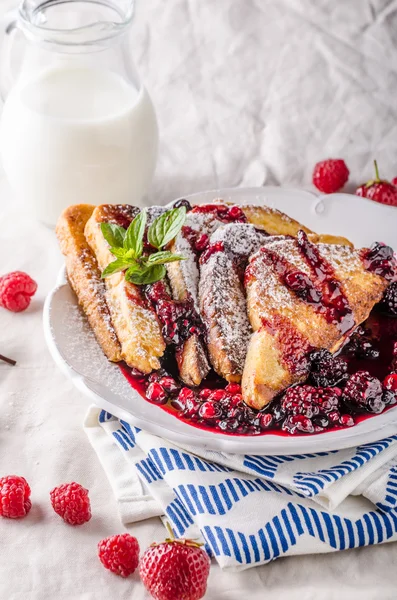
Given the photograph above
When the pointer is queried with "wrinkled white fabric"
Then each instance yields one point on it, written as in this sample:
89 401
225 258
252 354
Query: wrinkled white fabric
246 92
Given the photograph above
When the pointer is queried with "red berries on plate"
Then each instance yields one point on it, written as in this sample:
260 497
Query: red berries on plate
119 554
330 175
16 291
379 190
175 569
71 502
14 497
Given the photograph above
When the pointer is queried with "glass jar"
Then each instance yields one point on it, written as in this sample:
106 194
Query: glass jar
77 126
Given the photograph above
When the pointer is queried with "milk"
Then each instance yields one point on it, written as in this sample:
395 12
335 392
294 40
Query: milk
77 135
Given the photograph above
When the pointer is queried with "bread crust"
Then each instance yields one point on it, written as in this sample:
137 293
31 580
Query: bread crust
135 322
85 277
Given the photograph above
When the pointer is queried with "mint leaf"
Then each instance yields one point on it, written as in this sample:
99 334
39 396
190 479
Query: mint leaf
114 267
160 258
166 227
133 240
113 234
119 253
145 276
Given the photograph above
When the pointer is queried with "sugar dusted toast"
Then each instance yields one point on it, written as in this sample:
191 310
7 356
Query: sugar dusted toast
299 297
223 304
85 277
134 320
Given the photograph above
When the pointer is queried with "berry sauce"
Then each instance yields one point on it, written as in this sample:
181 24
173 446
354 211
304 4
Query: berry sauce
380 259
367 358
326 292
228 214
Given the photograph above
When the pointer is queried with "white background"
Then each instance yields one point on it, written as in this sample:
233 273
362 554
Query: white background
247 92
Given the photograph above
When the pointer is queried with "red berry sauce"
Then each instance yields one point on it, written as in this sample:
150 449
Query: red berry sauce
325 292
301 410
380 259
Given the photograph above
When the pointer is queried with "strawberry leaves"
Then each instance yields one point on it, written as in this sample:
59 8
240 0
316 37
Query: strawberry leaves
128 246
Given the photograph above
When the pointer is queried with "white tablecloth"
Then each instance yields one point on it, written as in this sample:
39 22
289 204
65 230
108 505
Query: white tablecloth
247 92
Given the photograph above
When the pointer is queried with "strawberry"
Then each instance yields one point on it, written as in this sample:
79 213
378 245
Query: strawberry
379 190
176 569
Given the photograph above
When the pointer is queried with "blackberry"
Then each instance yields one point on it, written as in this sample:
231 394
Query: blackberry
389 397
310 410
327 370
389 301
360 345
363 393
184 203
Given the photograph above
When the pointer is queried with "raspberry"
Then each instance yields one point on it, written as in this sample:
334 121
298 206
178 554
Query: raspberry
155 393
210 411
394 181
14 497
71 502
16 291
235 214
217 395
389 301
390 382
264 420
363 392
202 242
119 554
175 569
330 175
298 423
169 384
205 393
233 388
327 371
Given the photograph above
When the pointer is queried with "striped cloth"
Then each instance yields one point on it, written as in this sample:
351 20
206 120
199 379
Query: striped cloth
249 510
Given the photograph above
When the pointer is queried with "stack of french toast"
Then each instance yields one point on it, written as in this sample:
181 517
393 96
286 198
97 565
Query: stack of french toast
255 294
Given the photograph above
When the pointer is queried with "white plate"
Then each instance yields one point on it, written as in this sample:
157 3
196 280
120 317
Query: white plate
77 353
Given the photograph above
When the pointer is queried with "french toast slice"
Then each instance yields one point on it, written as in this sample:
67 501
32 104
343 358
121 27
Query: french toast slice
301 296
184 278
275 222
135 322
85 277
223 305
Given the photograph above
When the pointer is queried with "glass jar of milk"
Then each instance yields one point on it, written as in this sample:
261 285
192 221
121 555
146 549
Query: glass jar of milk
77 124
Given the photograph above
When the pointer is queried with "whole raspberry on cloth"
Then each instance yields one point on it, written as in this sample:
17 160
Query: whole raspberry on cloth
16 291
119 554
175 569
379 190
14 497
330 175
71 502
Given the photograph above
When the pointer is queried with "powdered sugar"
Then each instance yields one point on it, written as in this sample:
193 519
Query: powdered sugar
239 239
222 296
81 350
201 223
224 311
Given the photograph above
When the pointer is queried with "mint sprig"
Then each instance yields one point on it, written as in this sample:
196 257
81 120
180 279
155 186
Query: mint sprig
127 246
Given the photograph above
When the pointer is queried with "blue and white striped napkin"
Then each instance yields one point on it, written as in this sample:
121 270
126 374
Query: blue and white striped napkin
250 510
